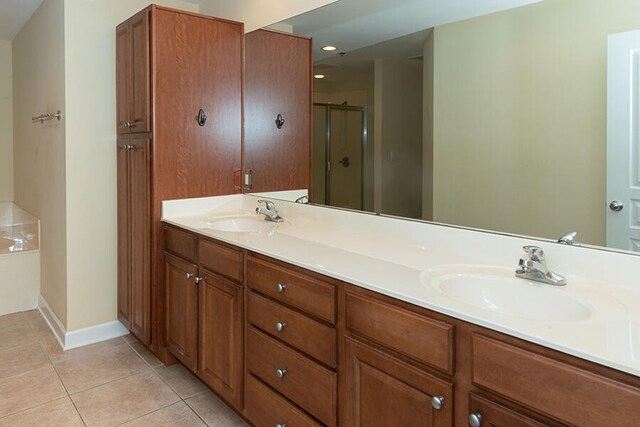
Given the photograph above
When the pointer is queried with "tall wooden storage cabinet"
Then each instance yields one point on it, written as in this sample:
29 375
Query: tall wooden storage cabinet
278 85
179 88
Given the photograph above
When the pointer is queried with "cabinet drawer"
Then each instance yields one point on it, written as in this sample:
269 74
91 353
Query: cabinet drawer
180 243
423 339
307 335
496 415
221 260
266 358
308 294
554 388
266 408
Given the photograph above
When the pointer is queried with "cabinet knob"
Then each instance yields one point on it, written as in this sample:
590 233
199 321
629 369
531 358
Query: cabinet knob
126 125
189 276
475 420
280 326
198 280
281 425
437 402
280 373
279 121
280 288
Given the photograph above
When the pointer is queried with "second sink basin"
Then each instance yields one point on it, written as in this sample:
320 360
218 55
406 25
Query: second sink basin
496 289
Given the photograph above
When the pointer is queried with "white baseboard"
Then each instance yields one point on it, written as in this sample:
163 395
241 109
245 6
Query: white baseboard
80 337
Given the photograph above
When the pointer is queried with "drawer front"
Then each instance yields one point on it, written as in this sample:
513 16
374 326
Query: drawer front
221 259
266 408
180 243
554 388
307 335
310 295
425 340
496 415
265 357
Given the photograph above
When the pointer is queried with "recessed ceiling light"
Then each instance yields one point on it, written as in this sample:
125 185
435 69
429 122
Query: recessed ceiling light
329 48
319 76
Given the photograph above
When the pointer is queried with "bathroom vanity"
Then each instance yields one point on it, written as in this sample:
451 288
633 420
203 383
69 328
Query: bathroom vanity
302 323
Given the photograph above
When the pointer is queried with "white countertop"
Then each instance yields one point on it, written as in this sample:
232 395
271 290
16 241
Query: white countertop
389 255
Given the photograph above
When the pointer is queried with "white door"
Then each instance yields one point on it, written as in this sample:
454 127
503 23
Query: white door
623 141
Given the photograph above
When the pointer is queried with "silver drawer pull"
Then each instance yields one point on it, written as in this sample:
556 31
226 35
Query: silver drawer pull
280 326
280 288
281 425
437 402
475 420
280 373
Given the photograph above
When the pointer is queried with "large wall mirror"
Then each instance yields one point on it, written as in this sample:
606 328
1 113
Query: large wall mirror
515 116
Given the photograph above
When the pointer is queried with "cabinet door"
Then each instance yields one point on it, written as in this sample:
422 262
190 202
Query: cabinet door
221 337
124 241
278 81
123 76
140 247
381 390
139 74
181 313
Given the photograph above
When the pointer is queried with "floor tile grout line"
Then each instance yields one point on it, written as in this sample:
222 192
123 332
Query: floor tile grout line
68 394
149 413
196 412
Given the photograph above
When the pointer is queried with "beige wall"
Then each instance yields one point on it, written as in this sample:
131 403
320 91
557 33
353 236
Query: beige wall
91 155
6 123
39 149
520 117
259 13
398 137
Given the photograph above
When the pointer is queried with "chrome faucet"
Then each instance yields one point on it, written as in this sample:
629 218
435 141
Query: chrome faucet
269 211
303 199
569 239
533 267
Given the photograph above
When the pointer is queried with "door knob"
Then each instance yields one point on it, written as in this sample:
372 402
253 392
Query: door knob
279 121
437 402
475 420
616 206
202 117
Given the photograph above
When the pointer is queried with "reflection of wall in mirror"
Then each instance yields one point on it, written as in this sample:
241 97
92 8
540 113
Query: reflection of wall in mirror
6 123
520 117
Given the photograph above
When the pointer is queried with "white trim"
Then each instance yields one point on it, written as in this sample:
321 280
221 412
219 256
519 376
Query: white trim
80 337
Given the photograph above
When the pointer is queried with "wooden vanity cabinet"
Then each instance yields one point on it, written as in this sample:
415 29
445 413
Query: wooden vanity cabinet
204 310
184 63
278 83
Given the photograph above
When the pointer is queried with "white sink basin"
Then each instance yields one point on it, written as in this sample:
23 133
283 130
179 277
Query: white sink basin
240 224
496 289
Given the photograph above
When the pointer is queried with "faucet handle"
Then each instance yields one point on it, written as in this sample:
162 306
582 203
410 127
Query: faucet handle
269 204
535 253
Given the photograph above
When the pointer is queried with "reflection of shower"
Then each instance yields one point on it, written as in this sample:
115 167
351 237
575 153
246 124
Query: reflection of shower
340 138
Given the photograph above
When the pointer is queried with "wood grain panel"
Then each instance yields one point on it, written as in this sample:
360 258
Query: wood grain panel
181 310
384 391
197 65
266 408
305 334
124 233
181 243
551 387
220 356
419 337
265 356
278 81
123 76
221 259
140 101
140 247
306 293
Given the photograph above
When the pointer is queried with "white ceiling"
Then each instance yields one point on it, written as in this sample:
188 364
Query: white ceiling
354 24
14 14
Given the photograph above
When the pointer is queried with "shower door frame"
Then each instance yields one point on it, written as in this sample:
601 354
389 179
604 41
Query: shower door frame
327 148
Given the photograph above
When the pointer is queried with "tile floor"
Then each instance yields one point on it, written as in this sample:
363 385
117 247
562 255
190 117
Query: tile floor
112 383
